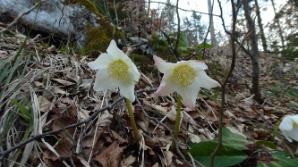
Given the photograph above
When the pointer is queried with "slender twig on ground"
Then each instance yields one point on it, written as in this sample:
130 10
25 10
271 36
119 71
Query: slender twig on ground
96 129
4 153
222 109
40 136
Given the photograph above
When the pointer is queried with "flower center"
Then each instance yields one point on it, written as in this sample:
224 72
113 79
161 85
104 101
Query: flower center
119 70
183 75
295 125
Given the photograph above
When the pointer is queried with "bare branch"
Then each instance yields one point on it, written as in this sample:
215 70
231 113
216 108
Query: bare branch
185 10
178 32
224 84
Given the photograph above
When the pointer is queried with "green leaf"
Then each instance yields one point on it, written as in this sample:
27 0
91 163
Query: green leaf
204 46
222 161
231 152
226 156
24 110
233 140
280 159
265 143
183 42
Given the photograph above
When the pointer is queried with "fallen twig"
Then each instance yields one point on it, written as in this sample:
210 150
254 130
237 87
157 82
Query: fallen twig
40 136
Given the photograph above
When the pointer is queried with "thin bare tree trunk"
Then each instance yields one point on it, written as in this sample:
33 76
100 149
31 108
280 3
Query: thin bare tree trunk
178 32
211 24
278 25
260 24
254 52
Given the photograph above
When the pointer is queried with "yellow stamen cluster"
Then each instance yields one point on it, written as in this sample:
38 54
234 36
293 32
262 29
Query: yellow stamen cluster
295 124
119 70
183 74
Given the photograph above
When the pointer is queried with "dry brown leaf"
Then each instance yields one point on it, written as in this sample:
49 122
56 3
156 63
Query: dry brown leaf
83 161
156 165
117 137
63 119
127 162
44 104
38 84
111 156
64 148
57 90
63 82
86 83
156 108
88 140
169 157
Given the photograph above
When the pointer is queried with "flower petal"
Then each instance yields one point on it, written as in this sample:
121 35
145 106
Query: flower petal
162 65
288 127
103 81
114 51
127 91
164 88
286 123
101 61
189 96
295 118
205 81
293 134
198 64
133 71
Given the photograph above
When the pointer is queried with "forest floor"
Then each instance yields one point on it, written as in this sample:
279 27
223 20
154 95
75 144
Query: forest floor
43 89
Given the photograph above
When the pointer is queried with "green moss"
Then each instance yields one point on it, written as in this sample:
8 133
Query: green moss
96 40
143 62
99 37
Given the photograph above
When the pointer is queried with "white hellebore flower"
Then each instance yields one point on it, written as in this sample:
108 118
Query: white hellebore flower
184 77
115 69
289 127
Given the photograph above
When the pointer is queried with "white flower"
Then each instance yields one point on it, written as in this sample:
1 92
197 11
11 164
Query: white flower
115 69
289 127
184 77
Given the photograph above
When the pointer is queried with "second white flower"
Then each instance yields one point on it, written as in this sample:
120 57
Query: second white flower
184 77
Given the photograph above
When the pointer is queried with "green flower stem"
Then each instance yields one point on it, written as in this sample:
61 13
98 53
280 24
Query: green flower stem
178 120
129 106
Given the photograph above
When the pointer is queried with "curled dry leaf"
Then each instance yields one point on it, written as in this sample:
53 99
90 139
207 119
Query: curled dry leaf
111 156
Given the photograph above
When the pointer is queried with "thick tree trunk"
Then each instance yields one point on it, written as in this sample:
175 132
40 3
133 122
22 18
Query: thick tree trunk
254 52
260 24
211 24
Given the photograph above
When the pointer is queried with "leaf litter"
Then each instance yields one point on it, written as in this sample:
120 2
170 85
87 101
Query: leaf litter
60 88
